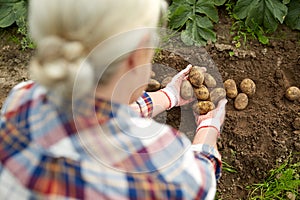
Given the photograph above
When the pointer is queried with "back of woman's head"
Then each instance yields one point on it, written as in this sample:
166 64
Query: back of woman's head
67 31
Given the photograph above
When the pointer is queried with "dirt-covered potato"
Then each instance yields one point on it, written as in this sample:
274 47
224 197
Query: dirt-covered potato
292 93
231 89
248 87
186 90
201 92
241 101
217 94
165 82
203 107
209 80
153 85
196 76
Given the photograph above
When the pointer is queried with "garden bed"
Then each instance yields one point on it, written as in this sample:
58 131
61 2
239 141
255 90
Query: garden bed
254 140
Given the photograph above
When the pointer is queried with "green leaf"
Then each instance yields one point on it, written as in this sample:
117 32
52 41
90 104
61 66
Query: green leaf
231 53
243 7
196 34
198 31
9 1
278 9
263 39
269 22
219 2
180 16
254 21
186 38
187 35
190 36
12 11
178 2
204 27
293 16
21 11
175 4
286 1
7 16
191 2
208 8
195 20
266 13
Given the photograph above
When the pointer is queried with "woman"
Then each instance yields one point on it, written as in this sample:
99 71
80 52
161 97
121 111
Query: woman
71 134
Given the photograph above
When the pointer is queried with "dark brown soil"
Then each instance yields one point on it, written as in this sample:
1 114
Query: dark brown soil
13 62
254 140
262 136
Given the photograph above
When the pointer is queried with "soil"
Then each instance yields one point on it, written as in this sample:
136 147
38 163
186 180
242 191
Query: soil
254 140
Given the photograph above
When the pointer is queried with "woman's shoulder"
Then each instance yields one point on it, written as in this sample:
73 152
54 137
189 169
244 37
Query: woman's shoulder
24 93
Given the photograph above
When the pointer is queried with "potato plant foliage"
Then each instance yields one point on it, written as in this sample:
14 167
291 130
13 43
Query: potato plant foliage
269 13
195 18
12 11
293 17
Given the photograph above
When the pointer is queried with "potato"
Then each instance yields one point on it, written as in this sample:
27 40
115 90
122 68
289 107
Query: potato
209 81
196 76
292 93
241 101
203 107
166 80
217 94
248 87
153 85
231 89
186 90
201 93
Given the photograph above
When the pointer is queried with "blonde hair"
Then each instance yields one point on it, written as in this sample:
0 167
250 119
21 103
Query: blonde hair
67 31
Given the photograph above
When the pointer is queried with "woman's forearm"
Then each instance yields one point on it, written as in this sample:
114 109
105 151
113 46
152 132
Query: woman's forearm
207 135
160 102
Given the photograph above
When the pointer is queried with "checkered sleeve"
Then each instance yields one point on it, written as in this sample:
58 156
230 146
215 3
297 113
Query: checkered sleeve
143 105
211 154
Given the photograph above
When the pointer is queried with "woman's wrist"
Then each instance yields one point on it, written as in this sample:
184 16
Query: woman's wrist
169 105
160 101
208 126
170 94
206 135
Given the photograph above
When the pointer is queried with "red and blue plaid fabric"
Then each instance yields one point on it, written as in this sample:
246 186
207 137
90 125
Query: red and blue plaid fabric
97 150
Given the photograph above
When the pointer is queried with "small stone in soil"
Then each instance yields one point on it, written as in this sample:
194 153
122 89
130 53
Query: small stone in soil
297 132
290 195
296 123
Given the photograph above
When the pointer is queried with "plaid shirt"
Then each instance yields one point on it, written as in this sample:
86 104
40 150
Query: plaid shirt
97 150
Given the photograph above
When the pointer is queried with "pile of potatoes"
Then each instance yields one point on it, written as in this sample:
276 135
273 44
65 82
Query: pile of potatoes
204 87
241 100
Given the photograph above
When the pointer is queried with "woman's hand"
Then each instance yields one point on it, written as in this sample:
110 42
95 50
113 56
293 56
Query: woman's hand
214 118
172 90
